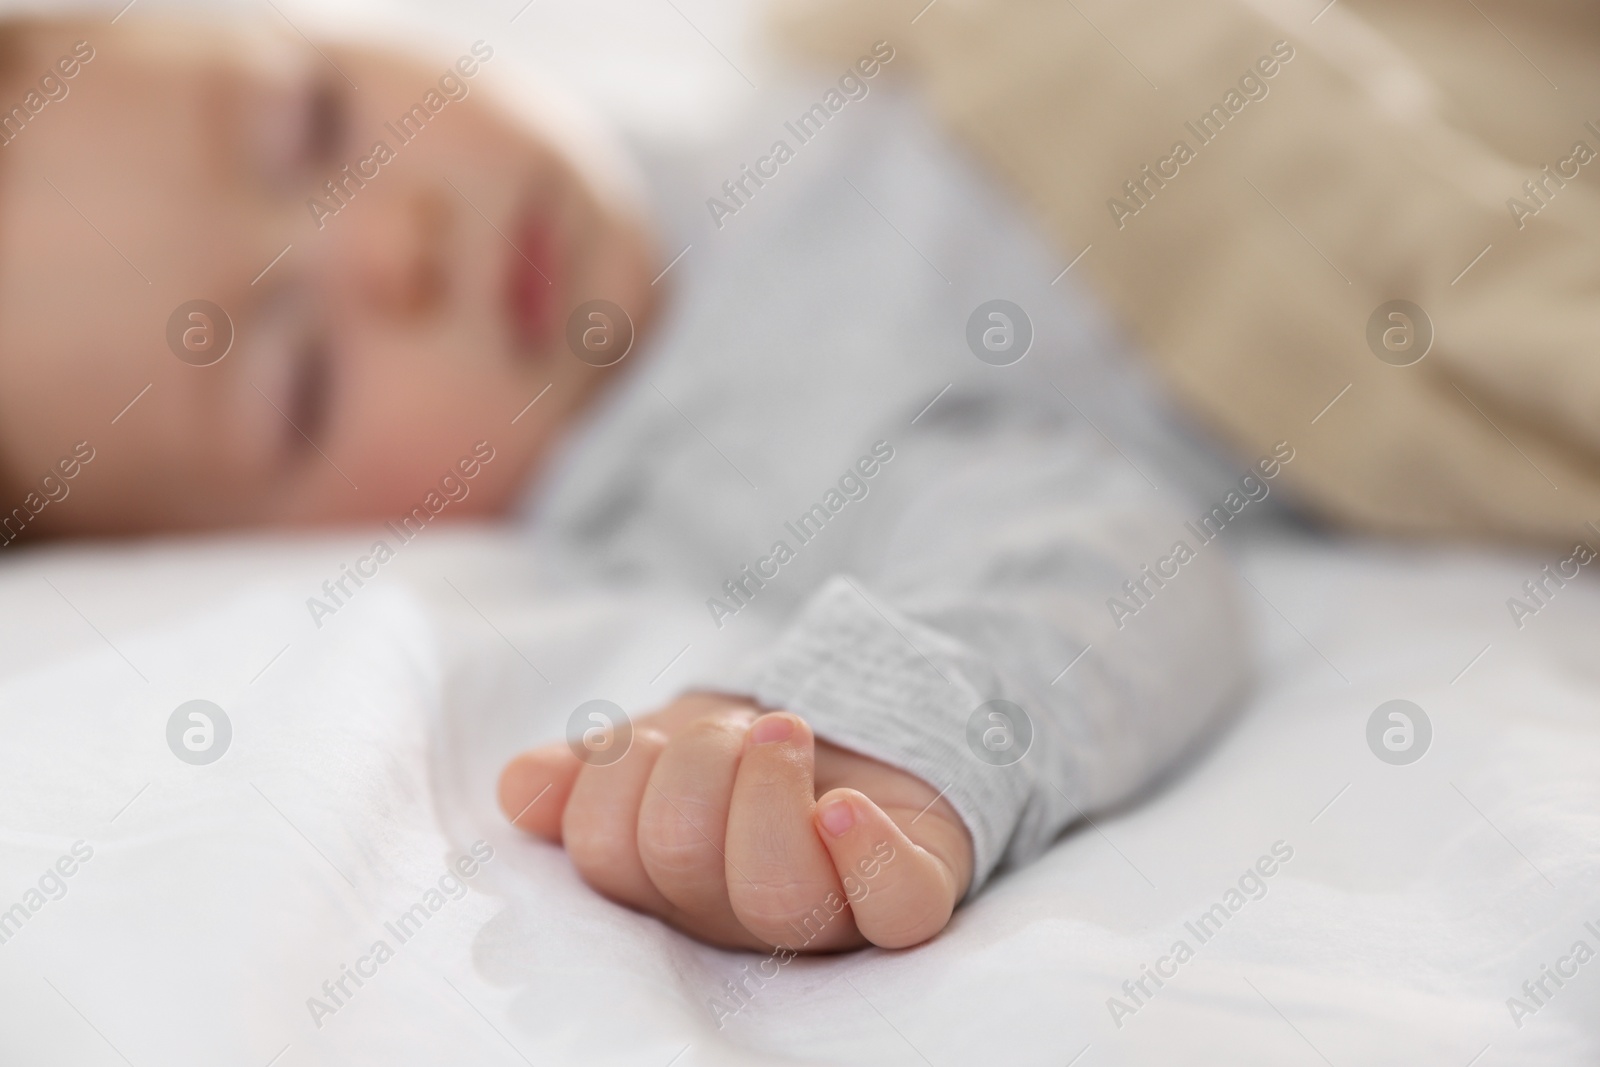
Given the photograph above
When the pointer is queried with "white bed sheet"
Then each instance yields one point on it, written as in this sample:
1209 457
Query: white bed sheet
220 897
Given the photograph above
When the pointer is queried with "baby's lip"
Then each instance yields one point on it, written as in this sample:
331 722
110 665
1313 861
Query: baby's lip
533 281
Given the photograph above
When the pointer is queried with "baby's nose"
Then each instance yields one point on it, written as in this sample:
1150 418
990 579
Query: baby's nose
390 256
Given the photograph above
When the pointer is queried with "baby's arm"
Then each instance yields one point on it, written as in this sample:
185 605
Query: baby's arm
1001 536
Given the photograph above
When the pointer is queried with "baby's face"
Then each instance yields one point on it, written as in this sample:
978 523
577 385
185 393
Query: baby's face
410 318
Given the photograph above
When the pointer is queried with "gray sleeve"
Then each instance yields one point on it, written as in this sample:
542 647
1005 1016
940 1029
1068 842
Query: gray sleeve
989 573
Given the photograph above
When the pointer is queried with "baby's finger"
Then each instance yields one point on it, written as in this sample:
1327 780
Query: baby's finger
901 893
600 825
534 788
781 880
683 818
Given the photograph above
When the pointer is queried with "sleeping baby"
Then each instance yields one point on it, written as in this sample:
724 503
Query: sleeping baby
819 381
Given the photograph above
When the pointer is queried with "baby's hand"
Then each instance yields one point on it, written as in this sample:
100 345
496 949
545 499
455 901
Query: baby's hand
740 829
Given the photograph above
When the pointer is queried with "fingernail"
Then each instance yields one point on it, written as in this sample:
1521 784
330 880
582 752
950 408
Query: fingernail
771 728
837 817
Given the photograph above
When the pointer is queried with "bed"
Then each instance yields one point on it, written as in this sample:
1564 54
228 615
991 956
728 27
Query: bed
1407 903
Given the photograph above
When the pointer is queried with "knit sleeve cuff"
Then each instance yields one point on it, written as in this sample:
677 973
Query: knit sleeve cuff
870 679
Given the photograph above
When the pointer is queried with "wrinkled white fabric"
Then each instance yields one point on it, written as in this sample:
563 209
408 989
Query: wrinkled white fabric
207 916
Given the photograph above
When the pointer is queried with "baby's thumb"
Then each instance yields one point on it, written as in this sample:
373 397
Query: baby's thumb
900 892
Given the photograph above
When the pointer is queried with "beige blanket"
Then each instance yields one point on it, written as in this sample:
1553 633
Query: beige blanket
1250 183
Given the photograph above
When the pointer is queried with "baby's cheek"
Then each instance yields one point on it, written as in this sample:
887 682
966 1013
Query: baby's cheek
460 472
